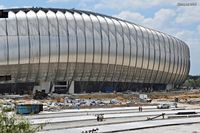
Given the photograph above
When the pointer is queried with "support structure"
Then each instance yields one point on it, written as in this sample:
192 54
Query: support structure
42 86
169 86
71 88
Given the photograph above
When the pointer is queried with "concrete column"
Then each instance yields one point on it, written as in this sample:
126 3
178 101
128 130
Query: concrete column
43 86
71 88
52 89
169 86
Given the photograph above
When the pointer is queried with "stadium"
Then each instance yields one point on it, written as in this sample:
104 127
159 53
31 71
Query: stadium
86 51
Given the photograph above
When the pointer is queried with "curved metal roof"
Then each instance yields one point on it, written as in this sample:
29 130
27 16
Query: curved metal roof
73 10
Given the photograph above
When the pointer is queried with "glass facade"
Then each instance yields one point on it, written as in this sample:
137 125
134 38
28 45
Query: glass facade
61 45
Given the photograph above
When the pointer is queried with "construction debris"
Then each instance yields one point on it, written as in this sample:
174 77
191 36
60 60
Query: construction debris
55 102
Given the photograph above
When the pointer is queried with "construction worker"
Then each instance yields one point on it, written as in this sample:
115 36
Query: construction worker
140 108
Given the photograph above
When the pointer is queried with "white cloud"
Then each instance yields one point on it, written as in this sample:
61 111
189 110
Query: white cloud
194 46
133 4
160 20
77 1
131 16
79 4
198 29
188 15
185 34
54 1
2 7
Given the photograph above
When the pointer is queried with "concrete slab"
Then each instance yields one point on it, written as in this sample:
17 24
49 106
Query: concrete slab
97 109
70 114
92 117
128 126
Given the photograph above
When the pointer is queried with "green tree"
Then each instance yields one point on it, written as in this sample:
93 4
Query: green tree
192 82
198 82
187 83
16 124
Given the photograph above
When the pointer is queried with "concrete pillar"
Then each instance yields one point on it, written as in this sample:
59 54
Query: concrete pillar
52 89
169 86
43 86
71 88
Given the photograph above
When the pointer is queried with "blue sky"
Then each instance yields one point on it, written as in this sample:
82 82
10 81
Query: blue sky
164 15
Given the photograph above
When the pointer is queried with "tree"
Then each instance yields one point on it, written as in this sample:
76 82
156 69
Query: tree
198 82
16 124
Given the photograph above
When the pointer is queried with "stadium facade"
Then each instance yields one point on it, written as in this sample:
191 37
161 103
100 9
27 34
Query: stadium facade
56 45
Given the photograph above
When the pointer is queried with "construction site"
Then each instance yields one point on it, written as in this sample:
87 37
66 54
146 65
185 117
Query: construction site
111 112
78 71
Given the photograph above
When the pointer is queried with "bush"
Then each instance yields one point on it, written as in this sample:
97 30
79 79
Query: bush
16 124
6 109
